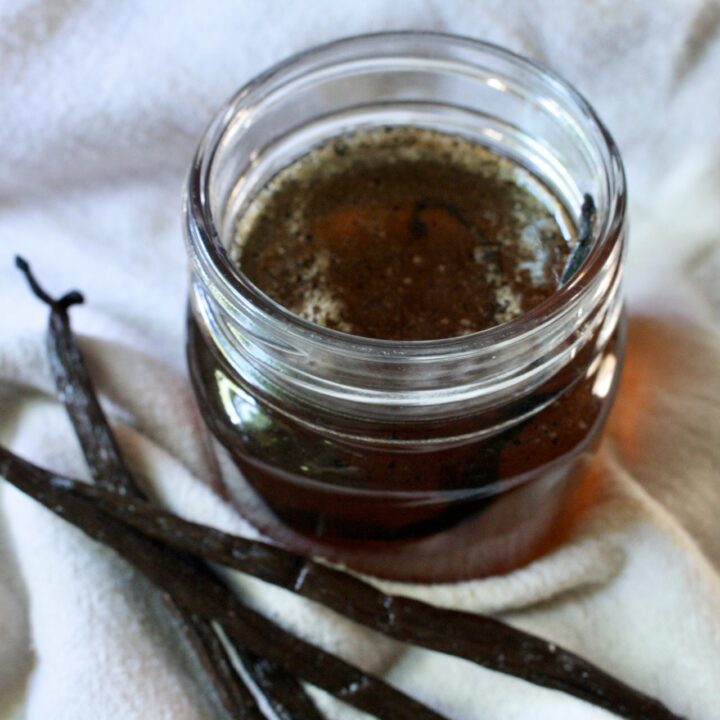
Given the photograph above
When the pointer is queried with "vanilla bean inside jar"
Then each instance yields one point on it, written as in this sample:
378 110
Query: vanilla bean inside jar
384 335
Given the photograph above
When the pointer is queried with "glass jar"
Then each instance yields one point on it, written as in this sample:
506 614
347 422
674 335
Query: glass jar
423 460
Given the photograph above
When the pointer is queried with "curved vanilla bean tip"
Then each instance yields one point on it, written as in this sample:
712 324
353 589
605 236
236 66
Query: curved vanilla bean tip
74 297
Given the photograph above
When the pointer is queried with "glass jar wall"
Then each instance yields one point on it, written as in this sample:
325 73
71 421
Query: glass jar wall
418 459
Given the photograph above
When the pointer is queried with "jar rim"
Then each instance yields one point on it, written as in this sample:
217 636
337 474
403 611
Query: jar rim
207 246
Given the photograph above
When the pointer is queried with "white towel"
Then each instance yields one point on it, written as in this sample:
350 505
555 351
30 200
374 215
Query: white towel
102 105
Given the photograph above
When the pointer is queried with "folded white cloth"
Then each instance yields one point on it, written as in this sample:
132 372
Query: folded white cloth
102 106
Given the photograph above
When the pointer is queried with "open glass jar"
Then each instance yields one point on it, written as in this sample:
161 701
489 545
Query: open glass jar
417 459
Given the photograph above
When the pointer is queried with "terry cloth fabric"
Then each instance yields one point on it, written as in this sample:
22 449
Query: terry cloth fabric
103 104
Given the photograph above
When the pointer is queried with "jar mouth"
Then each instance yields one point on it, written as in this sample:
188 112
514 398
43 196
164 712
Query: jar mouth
211 259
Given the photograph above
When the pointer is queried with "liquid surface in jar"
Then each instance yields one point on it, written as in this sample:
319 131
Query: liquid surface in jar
404 233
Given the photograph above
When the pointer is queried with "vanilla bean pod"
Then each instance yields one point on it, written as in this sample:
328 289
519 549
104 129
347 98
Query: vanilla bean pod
109 470
483 640
208 598
583 244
